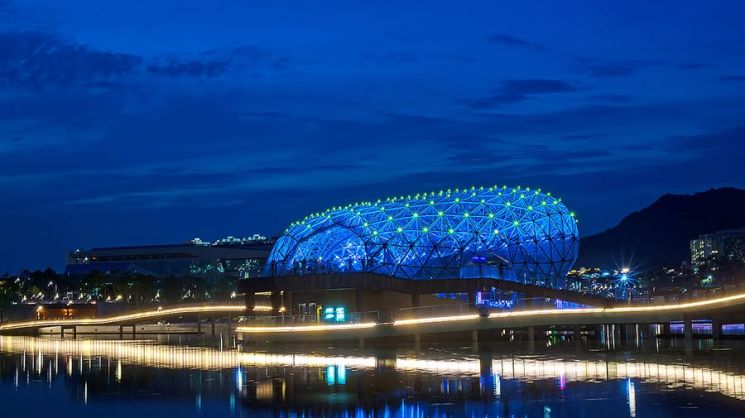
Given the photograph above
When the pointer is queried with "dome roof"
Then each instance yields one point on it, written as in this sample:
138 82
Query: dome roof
434 235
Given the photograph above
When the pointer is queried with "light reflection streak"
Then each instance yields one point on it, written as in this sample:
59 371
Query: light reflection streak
523 369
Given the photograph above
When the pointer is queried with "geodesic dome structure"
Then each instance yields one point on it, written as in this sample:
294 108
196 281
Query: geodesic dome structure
528 234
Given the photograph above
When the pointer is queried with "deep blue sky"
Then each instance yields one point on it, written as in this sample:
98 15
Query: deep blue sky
137 122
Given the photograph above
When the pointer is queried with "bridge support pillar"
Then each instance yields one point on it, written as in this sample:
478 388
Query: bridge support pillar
199 325
688 332
417 342
121 332
250 301
616 334
666 329
62 331
475 339
716 329
212 323
531 339
361 342
134 331
415 300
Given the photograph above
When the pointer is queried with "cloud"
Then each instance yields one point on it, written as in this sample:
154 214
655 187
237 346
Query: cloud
35 59
512 41
193 68
513 91
613 69
731 140
734 78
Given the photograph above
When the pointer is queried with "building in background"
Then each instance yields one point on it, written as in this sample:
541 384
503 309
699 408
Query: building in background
231 256
729 244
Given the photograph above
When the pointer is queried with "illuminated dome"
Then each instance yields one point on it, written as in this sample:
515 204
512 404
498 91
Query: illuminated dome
518 234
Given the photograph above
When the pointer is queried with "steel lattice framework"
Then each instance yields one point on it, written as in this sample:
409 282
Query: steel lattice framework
436 235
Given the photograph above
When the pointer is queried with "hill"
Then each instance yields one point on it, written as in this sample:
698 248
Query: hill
660 233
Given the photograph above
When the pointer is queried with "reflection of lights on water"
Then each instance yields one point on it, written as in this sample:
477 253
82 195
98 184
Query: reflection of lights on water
632 398
238 378
85 393
522 369
330 375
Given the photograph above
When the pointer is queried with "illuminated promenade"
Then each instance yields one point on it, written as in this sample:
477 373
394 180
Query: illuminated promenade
284 329
712 308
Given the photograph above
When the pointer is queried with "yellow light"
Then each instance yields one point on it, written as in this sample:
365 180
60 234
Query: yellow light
185 310
305 328
435 319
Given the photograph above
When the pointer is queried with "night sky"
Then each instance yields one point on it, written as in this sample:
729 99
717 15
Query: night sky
137 122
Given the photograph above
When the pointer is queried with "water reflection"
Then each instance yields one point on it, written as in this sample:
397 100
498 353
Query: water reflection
92 374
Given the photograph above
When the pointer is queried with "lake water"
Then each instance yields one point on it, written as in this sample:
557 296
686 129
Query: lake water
185 377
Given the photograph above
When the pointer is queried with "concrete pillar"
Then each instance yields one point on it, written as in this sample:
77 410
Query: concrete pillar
62 331
121 332
616 334
716 329
134 331
250 300
531 339
230 324
212 323
475 338
74 332
199 325
415 300
361 342
666 329
417 342
688 332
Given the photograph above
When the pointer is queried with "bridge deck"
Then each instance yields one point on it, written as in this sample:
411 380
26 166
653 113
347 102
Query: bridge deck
700 309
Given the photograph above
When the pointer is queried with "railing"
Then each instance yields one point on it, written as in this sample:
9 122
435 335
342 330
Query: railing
310 319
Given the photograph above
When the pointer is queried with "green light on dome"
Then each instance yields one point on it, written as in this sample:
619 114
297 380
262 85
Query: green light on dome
496 231
406 205
375 232
543 203
416 215
457 199
366 224
431 202
399 229
440 213
465 215
571 214
390 218
516 223
450 231
530 207
483 201
491 215
425 229
508 204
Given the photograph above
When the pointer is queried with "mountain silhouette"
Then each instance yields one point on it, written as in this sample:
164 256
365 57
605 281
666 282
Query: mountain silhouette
659 234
